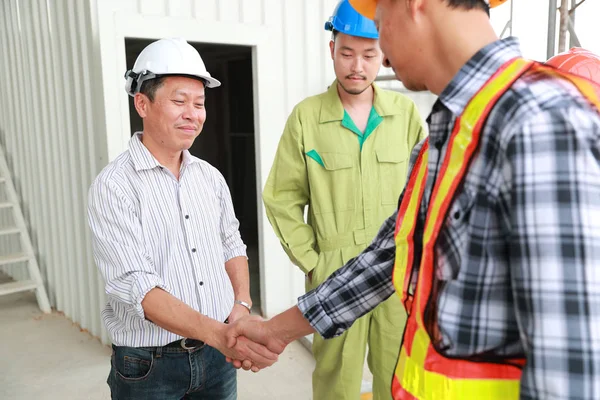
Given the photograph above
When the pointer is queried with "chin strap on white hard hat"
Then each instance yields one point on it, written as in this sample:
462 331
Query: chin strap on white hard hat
137 79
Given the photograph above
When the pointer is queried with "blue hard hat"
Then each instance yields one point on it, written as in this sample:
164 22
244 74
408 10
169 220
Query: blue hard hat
346 19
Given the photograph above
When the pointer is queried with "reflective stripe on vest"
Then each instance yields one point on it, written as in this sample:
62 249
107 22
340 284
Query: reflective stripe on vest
422 373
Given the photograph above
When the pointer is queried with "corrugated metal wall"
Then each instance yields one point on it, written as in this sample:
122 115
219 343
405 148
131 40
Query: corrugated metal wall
51 131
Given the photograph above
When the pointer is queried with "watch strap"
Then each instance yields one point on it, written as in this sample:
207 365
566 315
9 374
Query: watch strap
243 303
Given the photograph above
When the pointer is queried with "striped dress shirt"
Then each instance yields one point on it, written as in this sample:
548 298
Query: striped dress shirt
151 230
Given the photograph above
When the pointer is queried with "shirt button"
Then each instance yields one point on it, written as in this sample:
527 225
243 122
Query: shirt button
194 250
187 217
201 283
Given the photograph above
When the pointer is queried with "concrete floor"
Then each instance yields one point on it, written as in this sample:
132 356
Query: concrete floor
48 357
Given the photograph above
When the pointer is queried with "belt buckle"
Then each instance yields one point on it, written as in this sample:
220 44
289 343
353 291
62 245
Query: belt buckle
186 347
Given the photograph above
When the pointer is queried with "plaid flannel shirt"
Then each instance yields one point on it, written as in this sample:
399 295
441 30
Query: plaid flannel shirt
518 258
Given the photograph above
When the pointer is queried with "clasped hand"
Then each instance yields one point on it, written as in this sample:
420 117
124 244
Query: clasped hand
250 344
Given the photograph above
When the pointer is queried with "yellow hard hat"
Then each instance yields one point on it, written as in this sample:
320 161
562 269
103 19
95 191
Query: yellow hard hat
367 7
496 3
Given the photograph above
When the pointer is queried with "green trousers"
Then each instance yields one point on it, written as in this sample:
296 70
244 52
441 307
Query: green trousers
339 370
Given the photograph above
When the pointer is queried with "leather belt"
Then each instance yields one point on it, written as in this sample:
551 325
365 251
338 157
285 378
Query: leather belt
186 344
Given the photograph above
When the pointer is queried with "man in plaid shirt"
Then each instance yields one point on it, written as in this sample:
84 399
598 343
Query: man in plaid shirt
518 257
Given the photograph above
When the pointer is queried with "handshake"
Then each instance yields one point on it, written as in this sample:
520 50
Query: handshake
252 343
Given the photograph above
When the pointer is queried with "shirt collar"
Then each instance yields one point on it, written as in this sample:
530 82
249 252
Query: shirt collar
476 72
333 110
144 160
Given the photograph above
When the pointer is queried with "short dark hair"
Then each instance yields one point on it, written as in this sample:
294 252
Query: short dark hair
150 87
469 5
334 34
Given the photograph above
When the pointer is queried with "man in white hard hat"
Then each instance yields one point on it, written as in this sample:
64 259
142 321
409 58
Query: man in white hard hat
166 240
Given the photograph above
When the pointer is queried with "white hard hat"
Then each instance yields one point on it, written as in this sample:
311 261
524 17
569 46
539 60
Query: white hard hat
167 57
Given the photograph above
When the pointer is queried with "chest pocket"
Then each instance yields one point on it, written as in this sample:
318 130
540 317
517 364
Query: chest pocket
332 182
453 240
392 174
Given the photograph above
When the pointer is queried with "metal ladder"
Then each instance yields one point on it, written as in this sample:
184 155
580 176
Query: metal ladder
35 282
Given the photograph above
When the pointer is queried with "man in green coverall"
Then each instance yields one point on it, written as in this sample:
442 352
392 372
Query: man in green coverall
344 153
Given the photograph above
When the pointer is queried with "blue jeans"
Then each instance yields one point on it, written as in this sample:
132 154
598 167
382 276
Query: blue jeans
171 373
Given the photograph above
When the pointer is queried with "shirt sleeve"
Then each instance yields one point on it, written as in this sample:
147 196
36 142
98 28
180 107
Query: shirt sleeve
233 245
356 288
553 177
118 249
286 195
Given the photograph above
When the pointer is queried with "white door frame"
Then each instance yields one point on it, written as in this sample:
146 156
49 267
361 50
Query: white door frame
278 280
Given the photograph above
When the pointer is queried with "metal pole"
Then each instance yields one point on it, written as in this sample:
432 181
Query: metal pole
573 40
563 26
511 17
573 35
551 45
509 24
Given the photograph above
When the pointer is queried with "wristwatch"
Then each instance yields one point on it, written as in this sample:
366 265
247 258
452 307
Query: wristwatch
243 303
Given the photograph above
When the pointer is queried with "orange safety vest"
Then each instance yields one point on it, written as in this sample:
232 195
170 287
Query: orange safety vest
423 373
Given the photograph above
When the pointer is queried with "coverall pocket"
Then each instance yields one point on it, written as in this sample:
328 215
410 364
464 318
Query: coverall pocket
311 283
327 264
392 173
333 185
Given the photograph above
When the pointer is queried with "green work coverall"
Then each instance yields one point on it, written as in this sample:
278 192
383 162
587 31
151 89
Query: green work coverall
351 182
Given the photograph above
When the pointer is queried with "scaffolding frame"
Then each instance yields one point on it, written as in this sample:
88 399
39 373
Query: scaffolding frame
552 16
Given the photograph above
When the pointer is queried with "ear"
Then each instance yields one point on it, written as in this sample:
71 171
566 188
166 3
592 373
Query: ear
141 102
332 47
415 6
